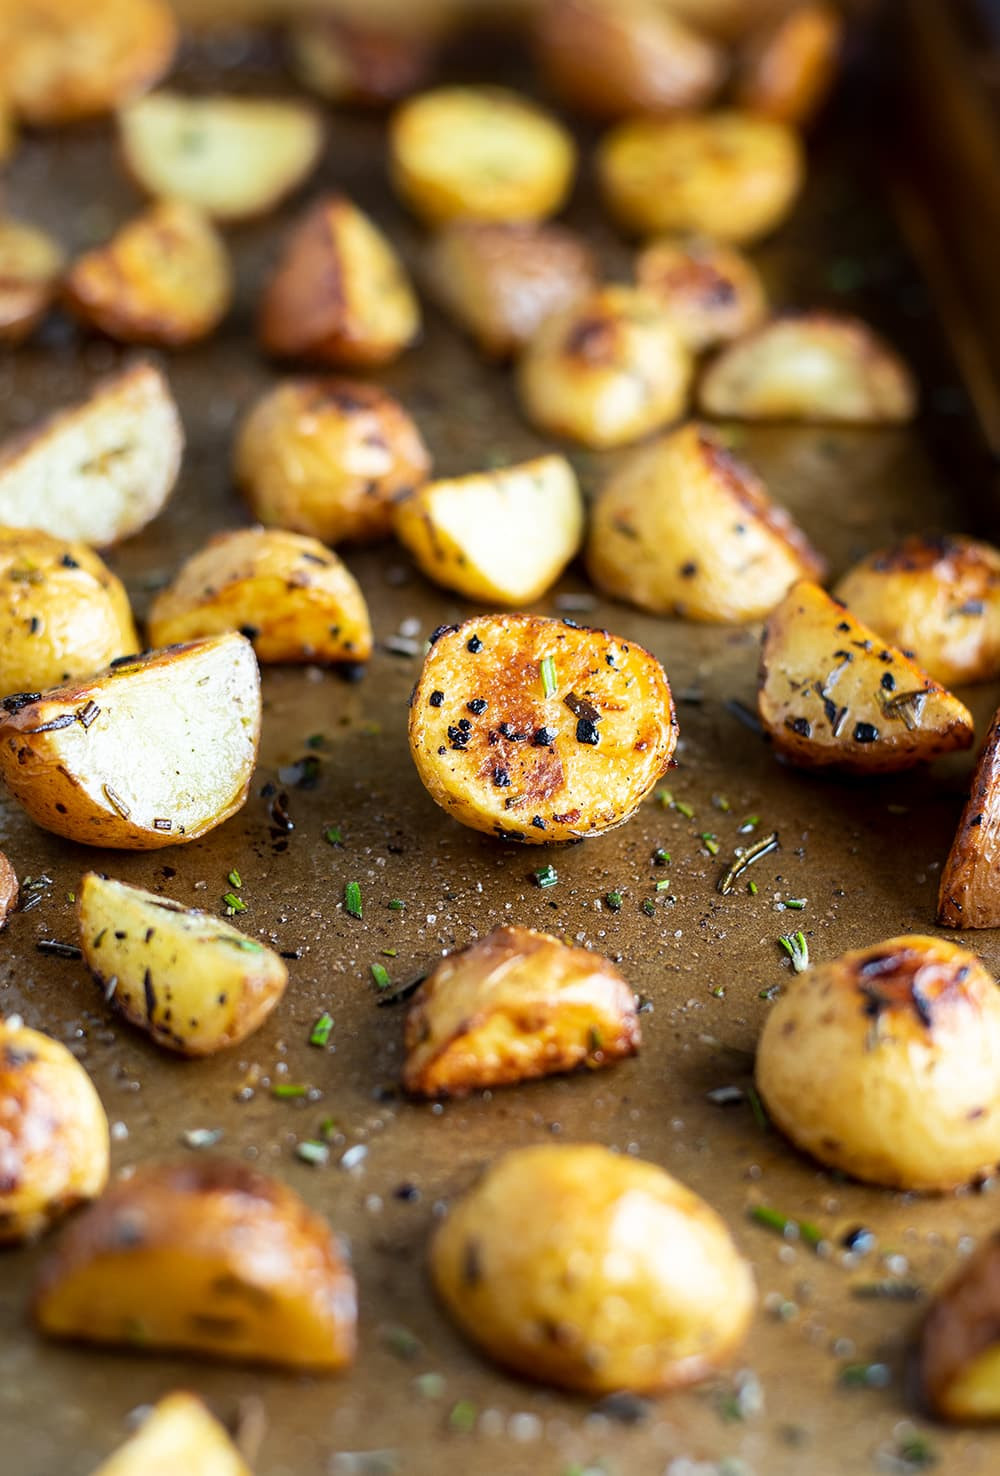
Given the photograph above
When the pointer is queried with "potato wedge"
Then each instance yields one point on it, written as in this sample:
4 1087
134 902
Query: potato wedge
500 281
813 367
592 1271
501 537
62 612
882 1063
61 61
292 598
729 175
711 291
154 751
347 62
54 1140
100 470
535 730
30 267
684 528
235 158
606 370
339 294
479 153
958 1350
329 457
937 596
787 71
969 894
206 1256
832 694
188 979
179 1434
514 1006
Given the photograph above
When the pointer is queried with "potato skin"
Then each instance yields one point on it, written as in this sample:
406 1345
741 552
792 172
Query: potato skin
179 1429
542 1267
207 1257
513 1006
969 894
9 889
347 62
684 528
530 767
54 1140
958 1349
711 291
882 1064
787 72
30 266
831 694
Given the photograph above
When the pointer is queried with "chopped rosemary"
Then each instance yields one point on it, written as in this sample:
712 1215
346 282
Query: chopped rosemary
234 903
773 1219
545 876
661 857
390 952
752 888
916 1451
721 803
864 1376
380 975
797 948
463 1417
352 899
683 809
235 880
613 901
663 885
710 843
285 1090
547 672
319 1035
763 847
310 1150
333 835
750 823
757 1108
665 797
795 904
401 1341
396 904
649 906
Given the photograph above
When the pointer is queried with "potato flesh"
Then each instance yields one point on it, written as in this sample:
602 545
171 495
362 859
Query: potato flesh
711 291
30 264
969 894
179 1435
958 1355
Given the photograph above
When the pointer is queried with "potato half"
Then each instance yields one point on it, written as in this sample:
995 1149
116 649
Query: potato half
233 157
788 70
958 1351
500 537
711 291
339 294
479 153
101 470
30 267
592 1271
810 366
154 751
179 1434
536 730
969 894
347 62
206 1256
54 1140
832 694
606 370
882 1063
684 528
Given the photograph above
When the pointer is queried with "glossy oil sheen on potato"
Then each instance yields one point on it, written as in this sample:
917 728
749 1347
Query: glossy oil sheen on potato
178 1435
969 894
958 1352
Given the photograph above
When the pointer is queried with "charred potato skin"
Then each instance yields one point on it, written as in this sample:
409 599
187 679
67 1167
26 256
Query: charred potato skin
514 1006
711 291
208 1257
959 1334
788 71
179 1427
969 896
30 267
346 62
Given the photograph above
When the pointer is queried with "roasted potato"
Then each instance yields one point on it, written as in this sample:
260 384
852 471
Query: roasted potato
233 157
606 370
206 1256
163 279
329 457
479 153
61 60
9 889
348 62
292 598
958 1353
54 1140
937 596
882 1064
189 980
154 751
593 1271
969 894
711 291
810 366
100 470
62 612
501 537
788 70
684 528
177 1435
339 294
729 175
513 1006
500 281
536 730
30 267
832 694
8 129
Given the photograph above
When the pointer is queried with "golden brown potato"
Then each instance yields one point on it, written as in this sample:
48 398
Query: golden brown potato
188 979
606 370
232 157
154 751
810 366
30 266
958 1353
479 153
348 62
206 1256
592 1270
339 294
163 279
100 470
711 291
513 1006
728 175
937 596
62 612
8 130
499 281
536 730
789 69
9 889
54 1140
292 598
500 537
684 528
969 894
61 60
882 1063
832 694
177 1435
